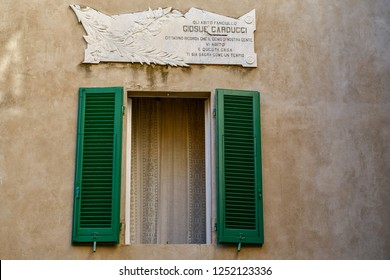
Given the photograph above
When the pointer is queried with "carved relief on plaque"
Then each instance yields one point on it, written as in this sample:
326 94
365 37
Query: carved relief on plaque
168 37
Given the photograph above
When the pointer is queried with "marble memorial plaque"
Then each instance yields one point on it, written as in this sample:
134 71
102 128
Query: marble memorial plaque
168 37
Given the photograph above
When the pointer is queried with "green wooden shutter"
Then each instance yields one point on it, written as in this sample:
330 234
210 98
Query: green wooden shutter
98 166
239 178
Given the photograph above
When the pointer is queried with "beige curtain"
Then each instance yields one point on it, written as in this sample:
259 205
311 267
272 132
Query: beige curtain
168 171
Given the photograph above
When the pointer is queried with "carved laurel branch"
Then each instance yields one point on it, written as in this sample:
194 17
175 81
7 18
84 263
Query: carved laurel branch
102 42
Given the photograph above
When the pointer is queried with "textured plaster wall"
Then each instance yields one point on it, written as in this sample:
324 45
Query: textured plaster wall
324 75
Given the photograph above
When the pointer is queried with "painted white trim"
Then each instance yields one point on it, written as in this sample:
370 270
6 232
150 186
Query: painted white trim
207 126
128 171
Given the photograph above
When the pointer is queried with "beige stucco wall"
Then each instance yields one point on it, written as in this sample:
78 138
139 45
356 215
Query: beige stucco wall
324 77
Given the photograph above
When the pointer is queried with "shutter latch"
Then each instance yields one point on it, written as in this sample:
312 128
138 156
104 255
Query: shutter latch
94 243
241 237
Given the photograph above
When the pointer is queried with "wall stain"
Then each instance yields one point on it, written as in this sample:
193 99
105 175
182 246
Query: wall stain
164 71
151 76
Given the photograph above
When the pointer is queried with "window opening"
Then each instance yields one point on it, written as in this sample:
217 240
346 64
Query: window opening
168 171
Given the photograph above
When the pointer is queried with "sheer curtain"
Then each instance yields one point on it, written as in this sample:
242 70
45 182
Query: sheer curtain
168 171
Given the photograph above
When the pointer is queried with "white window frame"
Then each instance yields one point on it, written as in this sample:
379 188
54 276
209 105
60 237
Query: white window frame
208 152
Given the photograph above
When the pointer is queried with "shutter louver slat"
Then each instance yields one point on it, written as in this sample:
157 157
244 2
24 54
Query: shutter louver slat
96 211
239 151
99 120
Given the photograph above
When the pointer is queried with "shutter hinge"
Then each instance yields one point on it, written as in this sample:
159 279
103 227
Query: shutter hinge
215 227
123 110
77 192
214 113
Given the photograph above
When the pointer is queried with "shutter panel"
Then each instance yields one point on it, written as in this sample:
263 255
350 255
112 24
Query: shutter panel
98 166
239 178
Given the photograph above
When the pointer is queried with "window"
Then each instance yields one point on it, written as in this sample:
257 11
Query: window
168 186
168 168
